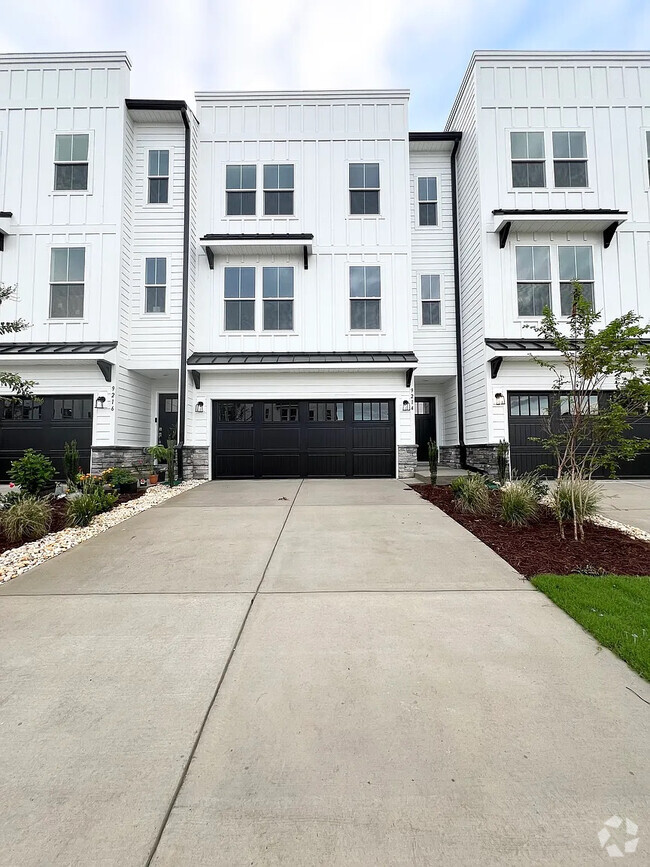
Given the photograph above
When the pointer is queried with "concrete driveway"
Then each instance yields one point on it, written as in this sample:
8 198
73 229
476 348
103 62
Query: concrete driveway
627 502
306 673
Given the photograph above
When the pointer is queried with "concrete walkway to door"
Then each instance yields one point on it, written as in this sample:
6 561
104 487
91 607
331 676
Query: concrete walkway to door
306 673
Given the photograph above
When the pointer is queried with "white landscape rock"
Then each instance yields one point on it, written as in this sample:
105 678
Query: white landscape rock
18 560
635 532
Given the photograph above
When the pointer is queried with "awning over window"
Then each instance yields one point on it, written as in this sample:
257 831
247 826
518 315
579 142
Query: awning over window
262 244
558 220
56 348
237 358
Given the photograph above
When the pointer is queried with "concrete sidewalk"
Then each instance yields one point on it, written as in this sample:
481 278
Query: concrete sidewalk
306 673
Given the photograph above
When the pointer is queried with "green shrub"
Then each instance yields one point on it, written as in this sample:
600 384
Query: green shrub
122 476
158 453
82 509
579 498
32 472
71 463
534 482
471 493
519 503
27 519
11 497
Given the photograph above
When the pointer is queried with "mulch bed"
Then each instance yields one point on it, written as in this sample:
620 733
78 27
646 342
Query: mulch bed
59 519
537 548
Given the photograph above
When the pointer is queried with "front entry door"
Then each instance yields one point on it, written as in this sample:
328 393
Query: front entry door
167 418
425 425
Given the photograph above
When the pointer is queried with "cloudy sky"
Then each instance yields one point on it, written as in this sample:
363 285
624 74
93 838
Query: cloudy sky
179 46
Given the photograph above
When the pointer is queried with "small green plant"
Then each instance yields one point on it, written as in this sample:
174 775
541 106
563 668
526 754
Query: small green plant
171 478
82 509
432 448
32 472
27 519
575 499
471 493
534 481
519 503
158 453
71 463
503 450
122 476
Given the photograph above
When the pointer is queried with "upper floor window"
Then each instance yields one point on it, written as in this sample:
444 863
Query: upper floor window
155 283
277 294
647 136
364 188
67 267
576 264
71 161
239 293
533 280
278 189
365 297
241 184
570 159
430 298
428 201
528 159
158 177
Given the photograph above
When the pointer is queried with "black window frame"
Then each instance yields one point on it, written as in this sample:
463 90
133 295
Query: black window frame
364 193
277 408
318 412
227 414
370 411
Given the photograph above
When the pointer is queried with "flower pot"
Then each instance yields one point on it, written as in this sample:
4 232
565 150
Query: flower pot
153 479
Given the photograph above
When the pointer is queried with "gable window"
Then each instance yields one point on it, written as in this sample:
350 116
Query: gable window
430 298
364 188
576 264
428 201
570 159
241 184
158 177
239 292
67 267
155 283
278 189
365 298
533 280
527 155
71 161
277 294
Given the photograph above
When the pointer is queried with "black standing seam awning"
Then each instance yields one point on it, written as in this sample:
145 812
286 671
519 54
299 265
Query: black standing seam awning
226 358
508 344
56 348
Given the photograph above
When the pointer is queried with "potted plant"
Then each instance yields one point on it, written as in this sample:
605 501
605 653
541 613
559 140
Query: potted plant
159 454
124 480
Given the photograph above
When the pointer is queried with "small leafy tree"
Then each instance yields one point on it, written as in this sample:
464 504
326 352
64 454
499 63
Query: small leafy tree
16 384
33 472
586 431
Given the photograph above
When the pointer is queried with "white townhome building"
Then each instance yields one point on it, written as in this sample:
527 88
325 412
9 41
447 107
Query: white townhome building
293 284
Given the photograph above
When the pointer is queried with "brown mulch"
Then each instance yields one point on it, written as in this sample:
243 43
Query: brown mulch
59 519
537 548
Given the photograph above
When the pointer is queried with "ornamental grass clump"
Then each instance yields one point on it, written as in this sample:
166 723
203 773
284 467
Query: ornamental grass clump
92 501
471 494
27 519
574 500
519 503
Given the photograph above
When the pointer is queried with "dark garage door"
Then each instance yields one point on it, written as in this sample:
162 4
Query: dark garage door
46 424
527 415
302 438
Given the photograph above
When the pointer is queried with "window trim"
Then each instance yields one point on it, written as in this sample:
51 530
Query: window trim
544 161
560 281
165 314
227 190
352 298
168 203
292 190
523 317
91 142
645 147
419 275
358 162
554 256
83 319
434 227
246 331
291 330
585 160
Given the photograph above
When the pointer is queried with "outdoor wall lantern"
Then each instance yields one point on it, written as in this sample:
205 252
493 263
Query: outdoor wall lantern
406 406
499 399
199 406
100 401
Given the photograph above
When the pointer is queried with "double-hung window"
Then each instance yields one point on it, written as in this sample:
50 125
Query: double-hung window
365 298
430 298
528 159
277 295
155 284
364 188
241 185
570 159
278 189
158 177
533 280
239 292
576 264
71 162
67 267
428 201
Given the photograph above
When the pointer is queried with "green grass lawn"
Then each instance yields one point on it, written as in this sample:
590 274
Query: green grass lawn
615 609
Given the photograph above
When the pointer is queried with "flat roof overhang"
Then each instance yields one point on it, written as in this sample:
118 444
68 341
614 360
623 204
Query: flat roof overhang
603 220
257 244
156 110
302 359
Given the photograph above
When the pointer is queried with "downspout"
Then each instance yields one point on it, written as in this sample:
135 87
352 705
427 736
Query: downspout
182 385
459 348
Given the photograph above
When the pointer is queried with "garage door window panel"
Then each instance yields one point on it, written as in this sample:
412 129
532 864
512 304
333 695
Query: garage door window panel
371 411
235 412
280 412
325 411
